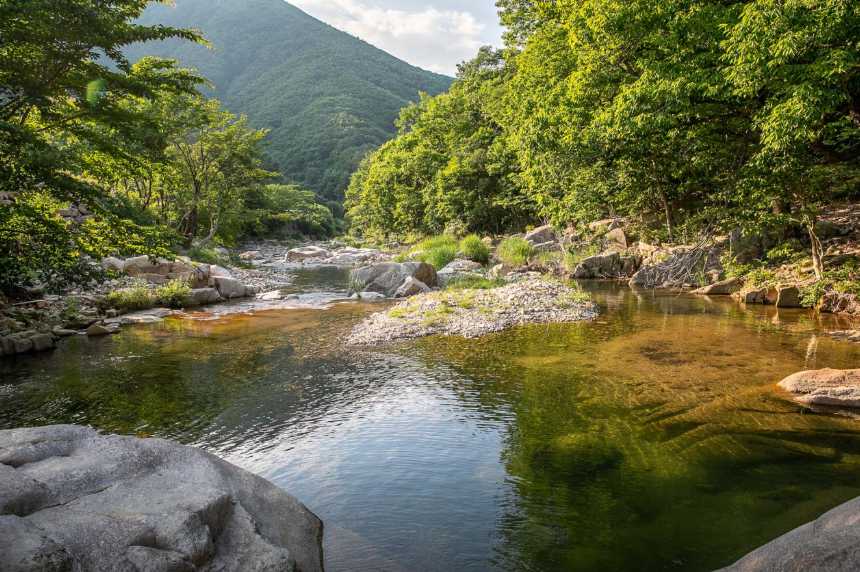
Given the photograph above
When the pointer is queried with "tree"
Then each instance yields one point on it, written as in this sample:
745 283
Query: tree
800 61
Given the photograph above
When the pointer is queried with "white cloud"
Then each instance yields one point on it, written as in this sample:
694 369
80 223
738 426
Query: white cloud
431 38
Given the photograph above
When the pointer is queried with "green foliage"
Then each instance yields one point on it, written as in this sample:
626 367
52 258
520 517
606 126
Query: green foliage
684 117
435 250
448 166
174 294
137 297
844 279
514 251
474 249
327 97
289 211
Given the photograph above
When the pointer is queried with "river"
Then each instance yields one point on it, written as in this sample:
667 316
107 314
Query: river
650 439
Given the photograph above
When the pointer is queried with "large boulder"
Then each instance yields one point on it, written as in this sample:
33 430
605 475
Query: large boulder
230 288
827 544
72 499
203 297
411 287
837 387
725 287
610 265
788 297
541 235
387 277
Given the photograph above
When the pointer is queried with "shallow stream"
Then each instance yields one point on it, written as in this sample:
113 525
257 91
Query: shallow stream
653 438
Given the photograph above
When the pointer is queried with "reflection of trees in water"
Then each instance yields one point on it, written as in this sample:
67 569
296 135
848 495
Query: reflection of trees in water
653 438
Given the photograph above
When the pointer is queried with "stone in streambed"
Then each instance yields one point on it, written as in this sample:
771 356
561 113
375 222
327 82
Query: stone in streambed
722 288
788 297
386 278
827 544
73 499
834 387
411 287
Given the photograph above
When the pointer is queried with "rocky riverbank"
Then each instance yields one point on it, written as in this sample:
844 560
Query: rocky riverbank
72 499
476 312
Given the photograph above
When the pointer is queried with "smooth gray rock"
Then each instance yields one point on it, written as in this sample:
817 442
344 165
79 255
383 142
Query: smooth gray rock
204 296
306 253
830 543
411 287
386 278
229 288
457 269
541 235
71 499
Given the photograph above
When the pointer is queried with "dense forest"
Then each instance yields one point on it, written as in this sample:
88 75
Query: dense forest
99 155
684 116
327 98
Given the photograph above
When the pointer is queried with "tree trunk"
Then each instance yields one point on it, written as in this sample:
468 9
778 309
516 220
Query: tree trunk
817 253
668 212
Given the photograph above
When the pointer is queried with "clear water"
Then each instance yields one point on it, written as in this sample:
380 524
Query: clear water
651 439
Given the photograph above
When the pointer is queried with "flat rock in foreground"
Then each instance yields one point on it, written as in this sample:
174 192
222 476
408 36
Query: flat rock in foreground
835 387
830 543
72 499
474 313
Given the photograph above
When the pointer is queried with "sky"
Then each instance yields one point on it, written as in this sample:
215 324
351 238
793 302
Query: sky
432 34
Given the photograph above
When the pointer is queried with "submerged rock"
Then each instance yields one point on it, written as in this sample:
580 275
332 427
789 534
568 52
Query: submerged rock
827 544
835 387
71 499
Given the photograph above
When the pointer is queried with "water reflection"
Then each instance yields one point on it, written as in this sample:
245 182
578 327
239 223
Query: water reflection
650 439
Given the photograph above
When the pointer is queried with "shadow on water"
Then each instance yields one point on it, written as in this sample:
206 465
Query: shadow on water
650 439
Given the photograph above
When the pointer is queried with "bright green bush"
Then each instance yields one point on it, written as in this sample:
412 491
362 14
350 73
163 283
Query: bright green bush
514 251
174 294
137 297
437 251
474 249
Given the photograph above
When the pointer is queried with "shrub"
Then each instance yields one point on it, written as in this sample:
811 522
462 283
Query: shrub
514 251
174 294
474 249
436 251
137 297
207 255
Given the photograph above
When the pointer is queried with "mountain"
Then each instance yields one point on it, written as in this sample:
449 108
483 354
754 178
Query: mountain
327 97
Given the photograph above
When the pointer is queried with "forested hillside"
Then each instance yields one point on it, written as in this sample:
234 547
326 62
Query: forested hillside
686 117
326 97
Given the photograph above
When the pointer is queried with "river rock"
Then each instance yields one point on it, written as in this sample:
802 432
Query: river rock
216 271
615 239
411 287
838 387
230 288
203 297
541 235
827 544
42 342
306 253
249 255
97 330
723 288
764 295
788 297
71 499
607 265
112 263
458 269
387 277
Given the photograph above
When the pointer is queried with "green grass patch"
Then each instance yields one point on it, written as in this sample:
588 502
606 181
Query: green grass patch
514 251
137 297
474 249
437 251
174 294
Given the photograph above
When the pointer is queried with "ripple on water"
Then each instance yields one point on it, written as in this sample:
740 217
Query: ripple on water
650 439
